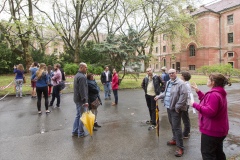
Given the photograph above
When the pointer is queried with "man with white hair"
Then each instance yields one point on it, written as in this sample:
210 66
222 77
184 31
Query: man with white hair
175 100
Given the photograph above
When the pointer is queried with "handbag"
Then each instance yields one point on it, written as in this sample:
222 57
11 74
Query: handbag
95 103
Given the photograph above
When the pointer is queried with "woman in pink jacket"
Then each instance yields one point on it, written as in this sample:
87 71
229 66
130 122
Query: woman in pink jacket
115 87
213 117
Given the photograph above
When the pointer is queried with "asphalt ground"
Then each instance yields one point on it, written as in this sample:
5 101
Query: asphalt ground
24 135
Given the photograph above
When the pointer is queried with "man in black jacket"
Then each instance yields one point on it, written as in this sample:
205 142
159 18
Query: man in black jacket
80 98
151 85
106 79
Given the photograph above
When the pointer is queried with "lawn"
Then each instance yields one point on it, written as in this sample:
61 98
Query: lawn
130 81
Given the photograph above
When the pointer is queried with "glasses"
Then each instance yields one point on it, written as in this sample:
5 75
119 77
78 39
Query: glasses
171 73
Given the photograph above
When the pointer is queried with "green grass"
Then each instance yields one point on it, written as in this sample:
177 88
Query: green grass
129 82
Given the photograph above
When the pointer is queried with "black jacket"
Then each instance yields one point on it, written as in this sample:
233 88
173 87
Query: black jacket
103 77
93 91
157 80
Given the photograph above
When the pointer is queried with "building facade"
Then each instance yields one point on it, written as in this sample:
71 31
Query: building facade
213 39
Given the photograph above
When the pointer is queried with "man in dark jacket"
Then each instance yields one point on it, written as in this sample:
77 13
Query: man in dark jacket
80 98
106 79
151 85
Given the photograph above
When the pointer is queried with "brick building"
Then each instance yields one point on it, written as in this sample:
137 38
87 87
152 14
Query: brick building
213 39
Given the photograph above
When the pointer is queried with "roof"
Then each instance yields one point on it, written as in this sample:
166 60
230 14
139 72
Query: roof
217 7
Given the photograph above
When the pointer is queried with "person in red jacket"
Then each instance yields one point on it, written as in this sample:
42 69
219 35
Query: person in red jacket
115 87
213 117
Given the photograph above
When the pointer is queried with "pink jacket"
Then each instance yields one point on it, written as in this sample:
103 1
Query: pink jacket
115 81
213 114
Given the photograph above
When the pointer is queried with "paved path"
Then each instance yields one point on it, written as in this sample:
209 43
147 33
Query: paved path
26 136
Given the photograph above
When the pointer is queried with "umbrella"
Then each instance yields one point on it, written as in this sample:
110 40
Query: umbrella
157 119
88 120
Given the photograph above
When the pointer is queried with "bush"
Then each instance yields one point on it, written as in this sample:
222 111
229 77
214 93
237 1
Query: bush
71 68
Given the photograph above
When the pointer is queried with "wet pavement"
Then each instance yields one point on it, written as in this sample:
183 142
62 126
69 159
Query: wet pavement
24 135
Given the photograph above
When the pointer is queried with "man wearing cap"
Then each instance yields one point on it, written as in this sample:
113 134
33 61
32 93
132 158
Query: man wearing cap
175 100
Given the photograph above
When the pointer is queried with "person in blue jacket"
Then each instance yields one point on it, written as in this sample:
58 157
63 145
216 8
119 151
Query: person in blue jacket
41 78
19 74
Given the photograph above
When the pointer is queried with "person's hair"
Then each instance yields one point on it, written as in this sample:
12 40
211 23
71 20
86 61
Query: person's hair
186 76
219 80
89 75
58 65
20 67
35 64
49 68
41 69
82 64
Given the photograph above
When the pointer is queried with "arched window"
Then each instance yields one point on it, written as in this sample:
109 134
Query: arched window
192 50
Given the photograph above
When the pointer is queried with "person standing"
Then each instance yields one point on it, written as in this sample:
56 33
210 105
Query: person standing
115 87
175 100
41 87
33 69
213 117
63 78
80 99
50 75
19 75
151 85
165 77
106 79
93 98
56 79
186 76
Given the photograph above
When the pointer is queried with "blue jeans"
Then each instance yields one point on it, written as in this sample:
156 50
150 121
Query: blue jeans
78 125
107 90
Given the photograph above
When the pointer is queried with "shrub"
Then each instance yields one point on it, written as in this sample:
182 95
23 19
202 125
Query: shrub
71 68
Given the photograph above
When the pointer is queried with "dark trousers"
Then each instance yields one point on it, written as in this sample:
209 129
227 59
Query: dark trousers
186 122
40 91
115 92
175 121
151 103
56 94
212 147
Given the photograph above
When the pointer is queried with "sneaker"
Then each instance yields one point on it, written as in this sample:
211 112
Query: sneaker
151 127
148 122
179 152
186 137
171 143
74 134
84 135
97 125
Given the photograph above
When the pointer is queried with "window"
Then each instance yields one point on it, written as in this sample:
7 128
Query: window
173 66
191 29
191 67
230 19
164 37
173 47
192 50
230 37
164 48
156 49
230 54
231 63
164 62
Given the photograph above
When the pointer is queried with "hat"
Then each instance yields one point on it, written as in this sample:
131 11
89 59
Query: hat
164 68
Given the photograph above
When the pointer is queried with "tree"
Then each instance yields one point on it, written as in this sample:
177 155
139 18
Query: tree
121 51
74 22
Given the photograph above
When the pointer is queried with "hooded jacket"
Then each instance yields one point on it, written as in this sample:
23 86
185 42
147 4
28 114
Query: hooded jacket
213 114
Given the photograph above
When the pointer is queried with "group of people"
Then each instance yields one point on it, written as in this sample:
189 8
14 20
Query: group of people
86 95
176 97
43 79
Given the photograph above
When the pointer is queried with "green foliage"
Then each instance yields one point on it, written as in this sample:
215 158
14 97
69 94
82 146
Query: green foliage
71 68
94 69
225 69
40 57
8 59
